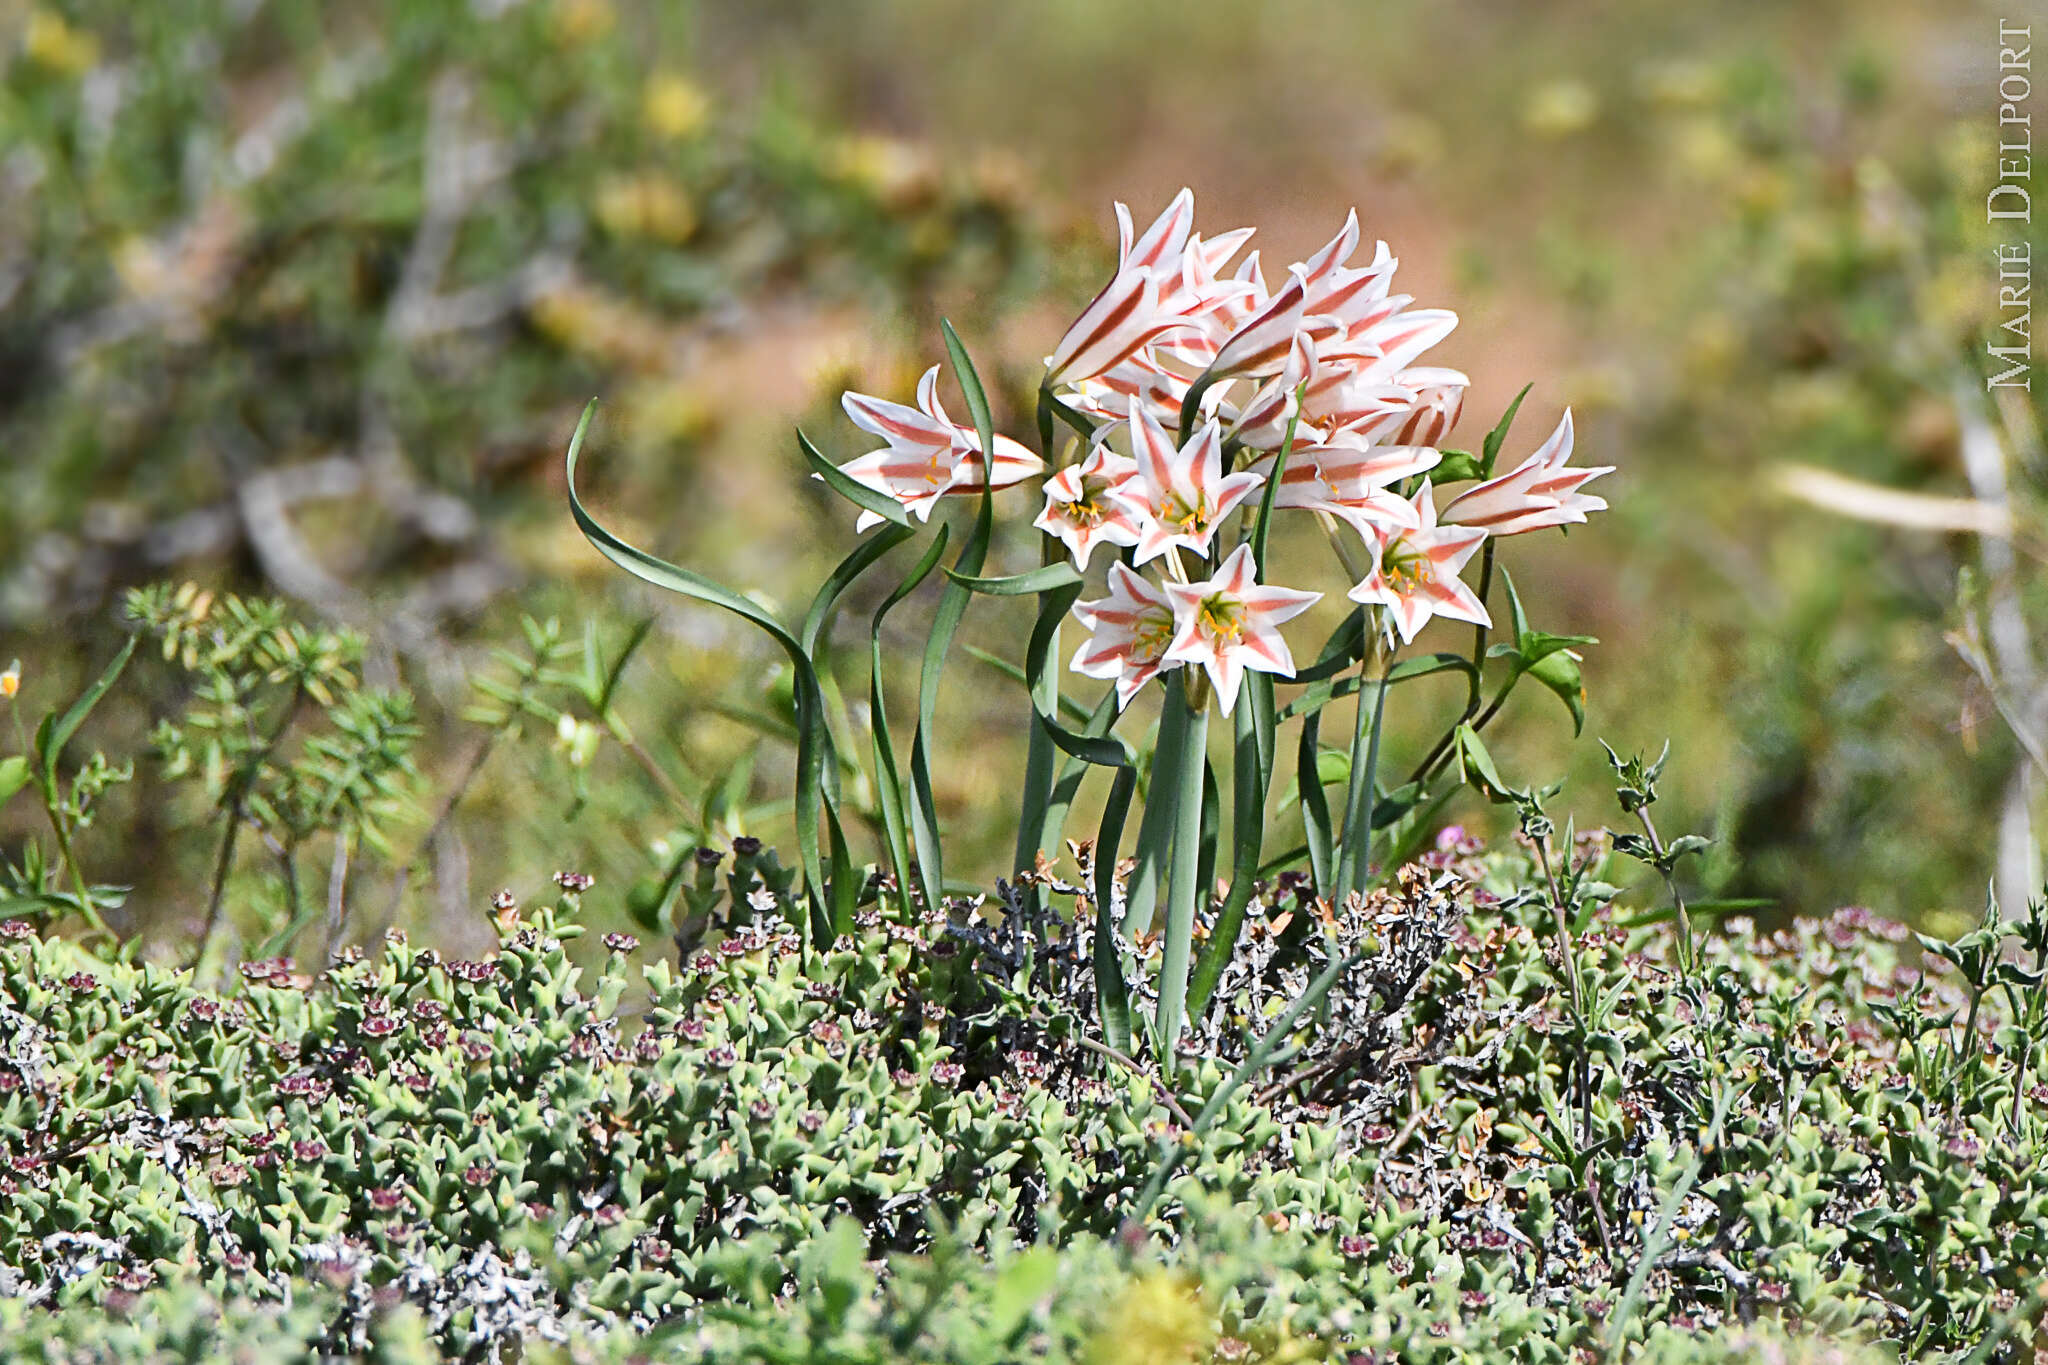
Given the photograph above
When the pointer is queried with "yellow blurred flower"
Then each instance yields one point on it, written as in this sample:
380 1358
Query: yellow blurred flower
901 174
580 21
673 106
1157 1321
51 42
1705 149
1561 108
10 681
646 205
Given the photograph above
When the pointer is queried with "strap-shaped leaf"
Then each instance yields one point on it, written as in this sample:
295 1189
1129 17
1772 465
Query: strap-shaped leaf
850 488
1490 450
1345 647
811 743
1316 828
1103 750
924 815
1354 858
888 778
1188 800
863 558
1421 666
1112 996
1060 575
1252 776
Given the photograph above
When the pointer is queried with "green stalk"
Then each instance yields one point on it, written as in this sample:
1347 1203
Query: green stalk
1155 827
1354 859
1034 832
1184 890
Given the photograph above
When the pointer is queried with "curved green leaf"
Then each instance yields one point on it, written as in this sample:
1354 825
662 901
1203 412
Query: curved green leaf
1490 450
52 736
846 486
812 738
1060 575
842 577
888 779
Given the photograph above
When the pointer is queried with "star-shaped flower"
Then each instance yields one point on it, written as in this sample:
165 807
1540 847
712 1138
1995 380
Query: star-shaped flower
1180 496
1131 629
1230 623
1540 491
1415 572
1082 509
928 455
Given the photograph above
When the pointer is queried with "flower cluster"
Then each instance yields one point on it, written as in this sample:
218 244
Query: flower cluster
1194 389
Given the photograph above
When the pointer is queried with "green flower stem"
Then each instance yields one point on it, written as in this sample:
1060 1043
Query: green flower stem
1354 859
1155 827
1184 891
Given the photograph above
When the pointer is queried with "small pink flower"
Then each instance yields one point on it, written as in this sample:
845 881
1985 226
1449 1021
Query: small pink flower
929 456
1180 496
1415 573
1230 623
1539 492
1132 628
1082 509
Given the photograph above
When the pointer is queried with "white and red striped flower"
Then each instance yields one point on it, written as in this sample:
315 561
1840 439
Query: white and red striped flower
1129 313
1130 631
1180 496
1438 398
928 455
1539 492
1230 623
1082 509
1351 482
1415 572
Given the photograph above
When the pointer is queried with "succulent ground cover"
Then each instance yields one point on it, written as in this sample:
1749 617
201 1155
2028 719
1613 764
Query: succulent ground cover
908 1144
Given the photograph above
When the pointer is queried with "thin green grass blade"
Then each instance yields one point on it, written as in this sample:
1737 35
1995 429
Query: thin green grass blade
51 738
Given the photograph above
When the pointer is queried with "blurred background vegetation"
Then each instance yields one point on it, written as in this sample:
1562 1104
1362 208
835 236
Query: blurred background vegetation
303 300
